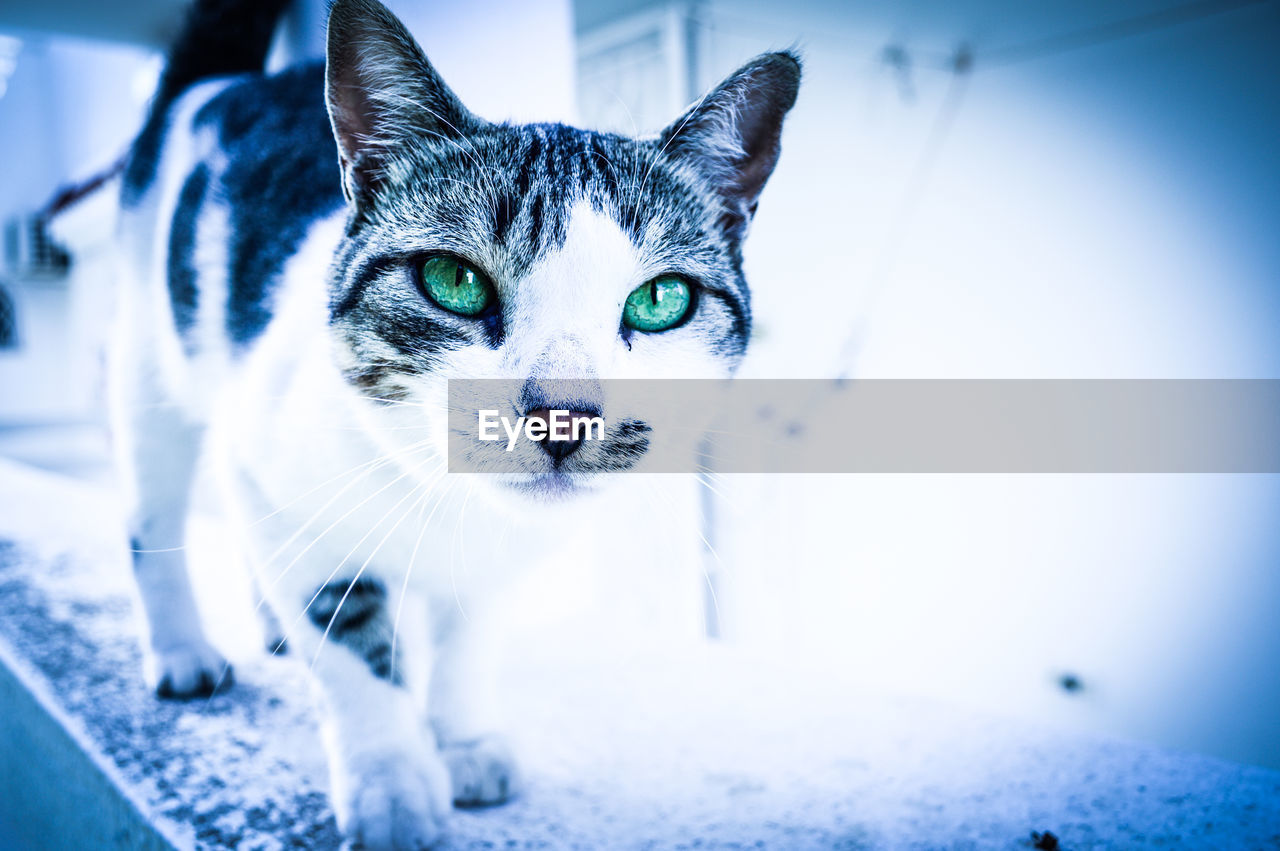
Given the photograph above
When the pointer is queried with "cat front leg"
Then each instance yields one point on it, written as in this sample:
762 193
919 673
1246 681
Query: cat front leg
390 787
158 450
463 709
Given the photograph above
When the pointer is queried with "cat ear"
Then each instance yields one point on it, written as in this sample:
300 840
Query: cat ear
732 135
381 90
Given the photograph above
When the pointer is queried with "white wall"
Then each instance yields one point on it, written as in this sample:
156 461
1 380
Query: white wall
506 60
1106 212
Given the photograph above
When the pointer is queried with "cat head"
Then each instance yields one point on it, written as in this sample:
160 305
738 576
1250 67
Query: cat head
535 252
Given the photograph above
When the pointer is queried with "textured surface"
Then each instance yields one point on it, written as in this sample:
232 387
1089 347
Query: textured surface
669 748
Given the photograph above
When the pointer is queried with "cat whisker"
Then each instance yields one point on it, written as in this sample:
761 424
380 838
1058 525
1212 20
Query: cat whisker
377 464
263 597
389 97
711 588
428 485
706 483
368 560
722 490
453 580
330 528
688 116
635 128
413 559
371 465
361 429
342 398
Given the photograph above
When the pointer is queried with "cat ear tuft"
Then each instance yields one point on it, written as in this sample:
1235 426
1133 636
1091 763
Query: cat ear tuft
381 91
732 135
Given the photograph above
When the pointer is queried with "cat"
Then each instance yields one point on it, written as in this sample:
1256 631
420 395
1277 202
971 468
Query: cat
308 257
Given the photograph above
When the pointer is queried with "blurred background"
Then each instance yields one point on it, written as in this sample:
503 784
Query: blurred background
968 189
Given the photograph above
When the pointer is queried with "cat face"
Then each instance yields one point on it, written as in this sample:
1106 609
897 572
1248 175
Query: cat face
535 252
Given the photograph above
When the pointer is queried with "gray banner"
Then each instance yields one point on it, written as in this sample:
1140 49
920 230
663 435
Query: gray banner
868 426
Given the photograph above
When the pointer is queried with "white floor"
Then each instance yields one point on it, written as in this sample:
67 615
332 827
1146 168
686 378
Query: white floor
673 745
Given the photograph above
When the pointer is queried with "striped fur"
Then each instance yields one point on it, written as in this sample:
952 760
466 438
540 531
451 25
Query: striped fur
272 232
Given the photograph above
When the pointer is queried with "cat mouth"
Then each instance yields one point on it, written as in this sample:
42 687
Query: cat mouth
552 486
541 475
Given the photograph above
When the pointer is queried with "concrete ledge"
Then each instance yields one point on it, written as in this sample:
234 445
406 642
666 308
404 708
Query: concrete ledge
672 747
90 759
57 790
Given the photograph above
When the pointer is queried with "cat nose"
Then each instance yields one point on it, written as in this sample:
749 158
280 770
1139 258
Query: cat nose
565 431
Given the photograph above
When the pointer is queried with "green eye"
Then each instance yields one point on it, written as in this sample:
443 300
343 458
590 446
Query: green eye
457 286
658 305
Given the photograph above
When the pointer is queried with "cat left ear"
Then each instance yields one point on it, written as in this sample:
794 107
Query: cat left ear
732 135
381 91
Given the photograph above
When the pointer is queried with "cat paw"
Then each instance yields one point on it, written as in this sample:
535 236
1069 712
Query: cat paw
273 640
394 802
189 670
482 771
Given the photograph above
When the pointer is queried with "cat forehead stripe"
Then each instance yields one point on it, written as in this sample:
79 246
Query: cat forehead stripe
503 199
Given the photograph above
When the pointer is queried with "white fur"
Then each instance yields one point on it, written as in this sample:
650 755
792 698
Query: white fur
326 484
156 424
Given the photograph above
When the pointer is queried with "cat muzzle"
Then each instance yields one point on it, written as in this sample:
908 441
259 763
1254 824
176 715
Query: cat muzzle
564 431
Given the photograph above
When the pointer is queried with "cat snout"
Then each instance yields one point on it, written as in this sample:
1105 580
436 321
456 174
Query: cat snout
564 430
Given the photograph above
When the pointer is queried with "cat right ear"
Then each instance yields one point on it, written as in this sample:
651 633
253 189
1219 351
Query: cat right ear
733 134
381 91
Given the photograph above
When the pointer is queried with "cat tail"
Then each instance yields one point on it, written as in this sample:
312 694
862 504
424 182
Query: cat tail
218 38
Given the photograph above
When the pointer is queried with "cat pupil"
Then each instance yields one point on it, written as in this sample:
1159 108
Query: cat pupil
653 293
458 274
